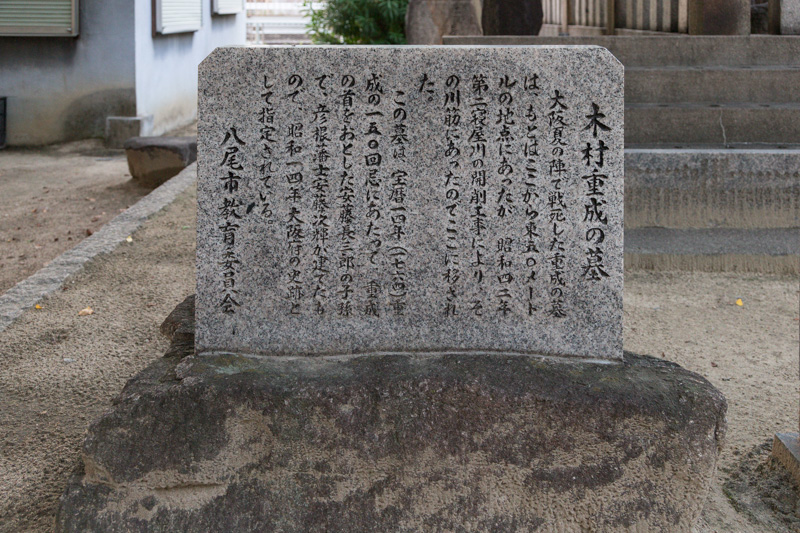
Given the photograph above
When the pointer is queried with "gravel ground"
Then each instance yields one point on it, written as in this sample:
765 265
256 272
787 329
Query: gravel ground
61 370
53 198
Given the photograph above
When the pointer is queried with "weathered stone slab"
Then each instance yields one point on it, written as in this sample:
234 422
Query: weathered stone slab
154 160
410 199
398 443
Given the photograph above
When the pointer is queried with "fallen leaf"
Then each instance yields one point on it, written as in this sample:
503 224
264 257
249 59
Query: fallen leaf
739 302
87 311
91 199
714 364
37 306
95 218
129 238
89 233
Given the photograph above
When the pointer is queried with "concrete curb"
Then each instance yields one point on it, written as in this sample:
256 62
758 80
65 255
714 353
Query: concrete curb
28 292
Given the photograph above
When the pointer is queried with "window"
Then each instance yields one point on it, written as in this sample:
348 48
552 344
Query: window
46 18
178 16
227 7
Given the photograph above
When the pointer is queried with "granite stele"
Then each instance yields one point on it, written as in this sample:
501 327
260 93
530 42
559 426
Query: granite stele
389 240
414 199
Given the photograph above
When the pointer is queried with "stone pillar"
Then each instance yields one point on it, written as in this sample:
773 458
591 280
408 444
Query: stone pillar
719 17
790 17
428 20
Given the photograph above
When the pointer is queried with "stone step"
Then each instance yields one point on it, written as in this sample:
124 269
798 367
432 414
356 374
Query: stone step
664 85
670 50
683 124
712 187
770 251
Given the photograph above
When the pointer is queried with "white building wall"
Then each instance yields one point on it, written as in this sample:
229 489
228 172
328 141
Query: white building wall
166 65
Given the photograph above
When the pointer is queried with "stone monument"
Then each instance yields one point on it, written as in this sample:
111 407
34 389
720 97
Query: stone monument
408 312
416 199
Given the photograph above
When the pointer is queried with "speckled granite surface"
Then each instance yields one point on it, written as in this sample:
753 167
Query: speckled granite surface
410 199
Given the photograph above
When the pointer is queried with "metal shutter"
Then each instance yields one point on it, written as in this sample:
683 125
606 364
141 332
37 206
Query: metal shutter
228 7
56 18
178 16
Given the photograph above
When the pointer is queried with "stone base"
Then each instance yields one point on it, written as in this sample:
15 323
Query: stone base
154 160
120 129
786 449
398 443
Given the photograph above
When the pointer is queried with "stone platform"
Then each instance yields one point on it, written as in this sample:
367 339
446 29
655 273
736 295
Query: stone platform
450 442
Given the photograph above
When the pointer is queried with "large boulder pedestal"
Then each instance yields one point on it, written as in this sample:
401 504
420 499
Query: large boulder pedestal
449 442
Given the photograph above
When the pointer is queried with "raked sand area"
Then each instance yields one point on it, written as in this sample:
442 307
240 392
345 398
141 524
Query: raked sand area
60 370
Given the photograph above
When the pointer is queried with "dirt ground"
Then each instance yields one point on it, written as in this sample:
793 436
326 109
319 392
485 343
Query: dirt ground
751 353
53 197
60 371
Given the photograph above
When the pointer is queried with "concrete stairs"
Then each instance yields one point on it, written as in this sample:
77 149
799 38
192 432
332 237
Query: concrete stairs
712 159
707 90
725 124
713 209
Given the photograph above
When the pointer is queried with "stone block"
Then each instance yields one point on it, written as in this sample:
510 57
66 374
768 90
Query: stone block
790 17
428 20
410 199
689 188
450 442
153 160
120 129
719 17
786 449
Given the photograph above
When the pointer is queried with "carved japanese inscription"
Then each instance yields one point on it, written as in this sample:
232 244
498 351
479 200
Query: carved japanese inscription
410 199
